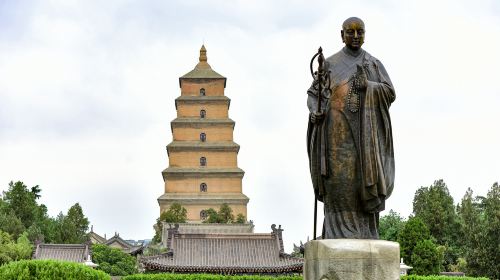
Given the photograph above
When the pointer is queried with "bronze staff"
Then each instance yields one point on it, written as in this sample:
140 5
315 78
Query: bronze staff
323 77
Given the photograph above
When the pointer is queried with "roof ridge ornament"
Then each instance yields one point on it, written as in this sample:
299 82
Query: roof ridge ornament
203 53
203 64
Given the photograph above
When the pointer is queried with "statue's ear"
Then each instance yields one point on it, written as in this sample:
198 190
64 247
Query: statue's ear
342 35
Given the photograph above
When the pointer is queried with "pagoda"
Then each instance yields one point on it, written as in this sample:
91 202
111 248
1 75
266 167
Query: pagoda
203 169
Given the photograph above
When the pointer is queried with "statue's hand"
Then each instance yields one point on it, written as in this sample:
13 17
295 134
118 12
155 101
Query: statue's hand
317 117
362 78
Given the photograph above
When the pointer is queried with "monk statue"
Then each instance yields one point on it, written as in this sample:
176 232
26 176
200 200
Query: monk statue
349 136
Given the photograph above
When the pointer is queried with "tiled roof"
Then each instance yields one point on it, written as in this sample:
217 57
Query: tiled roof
225 253
96 238
124 245
202 70
64 252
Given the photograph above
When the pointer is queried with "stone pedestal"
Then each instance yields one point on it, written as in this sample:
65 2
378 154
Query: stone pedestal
351 259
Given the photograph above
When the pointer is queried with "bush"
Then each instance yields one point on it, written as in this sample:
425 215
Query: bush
171 276
425 258
113 261
14 251
413 232
49 270
434 277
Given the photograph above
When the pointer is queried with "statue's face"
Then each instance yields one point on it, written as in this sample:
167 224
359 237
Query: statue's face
353 34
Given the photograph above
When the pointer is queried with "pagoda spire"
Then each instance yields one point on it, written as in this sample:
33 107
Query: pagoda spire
202 70
203 64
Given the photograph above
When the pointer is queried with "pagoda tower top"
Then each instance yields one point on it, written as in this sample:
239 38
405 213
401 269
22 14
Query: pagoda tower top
202 70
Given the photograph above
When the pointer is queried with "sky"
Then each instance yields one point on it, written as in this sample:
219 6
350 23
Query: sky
87 92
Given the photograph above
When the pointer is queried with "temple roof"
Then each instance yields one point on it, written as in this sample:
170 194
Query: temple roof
224 253
117 241
202 70
63 252
94 237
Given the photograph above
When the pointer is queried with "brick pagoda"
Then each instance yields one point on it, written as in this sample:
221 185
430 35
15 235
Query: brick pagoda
203 169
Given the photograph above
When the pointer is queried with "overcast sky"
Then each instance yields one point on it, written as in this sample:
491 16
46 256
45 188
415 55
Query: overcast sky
87 93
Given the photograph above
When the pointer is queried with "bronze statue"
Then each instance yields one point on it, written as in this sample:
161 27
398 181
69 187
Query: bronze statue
349 138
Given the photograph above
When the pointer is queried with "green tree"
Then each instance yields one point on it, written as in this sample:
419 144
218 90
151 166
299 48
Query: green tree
212 216
175 214
113 261
72 227
434 205
22 202
473 227
390 226
225 214
413 232
10 223
240 219
492 232
19 203
14 251
425 258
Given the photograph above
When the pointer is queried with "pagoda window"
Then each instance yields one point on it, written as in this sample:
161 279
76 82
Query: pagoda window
203 137
203 161
203 187
203 214
203 113
202 92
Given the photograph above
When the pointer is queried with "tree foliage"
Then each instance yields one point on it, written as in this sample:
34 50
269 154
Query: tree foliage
72 227
240 219
480 221
113 261
21 212
425 258
390 226
11 250
434 205
223 216
413 232
175 214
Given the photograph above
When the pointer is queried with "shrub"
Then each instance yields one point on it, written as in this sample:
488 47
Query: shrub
12 251
434 277
171 276
113 261
425 258
49 270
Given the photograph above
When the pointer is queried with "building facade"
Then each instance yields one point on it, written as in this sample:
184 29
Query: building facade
203 168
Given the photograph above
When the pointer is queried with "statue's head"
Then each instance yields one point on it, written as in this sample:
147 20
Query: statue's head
353 33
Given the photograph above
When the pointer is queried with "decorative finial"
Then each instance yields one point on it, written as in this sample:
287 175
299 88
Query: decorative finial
203 54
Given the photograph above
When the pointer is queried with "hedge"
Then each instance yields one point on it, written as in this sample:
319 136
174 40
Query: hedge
49 270
172 276
440 277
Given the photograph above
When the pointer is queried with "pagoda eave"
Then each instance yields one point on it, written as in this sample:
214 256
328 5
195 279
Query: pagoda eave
210 199
226 146
175 172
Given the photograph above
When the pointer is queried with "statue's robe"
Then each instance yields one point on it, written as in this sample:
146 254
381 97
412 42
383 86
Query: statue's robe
351 153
